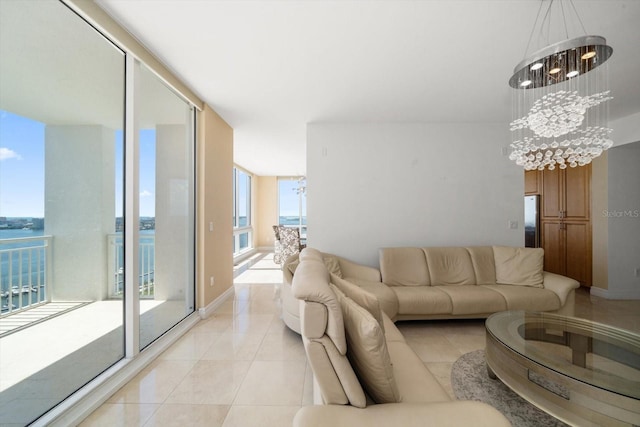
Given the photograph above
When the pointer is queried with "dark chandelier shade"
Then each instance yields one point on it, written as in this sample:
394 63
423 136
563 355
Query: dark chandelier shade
561 61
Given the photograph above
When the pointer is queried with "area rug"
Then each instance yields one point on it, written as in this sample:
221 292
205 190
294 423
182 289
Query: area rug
470 381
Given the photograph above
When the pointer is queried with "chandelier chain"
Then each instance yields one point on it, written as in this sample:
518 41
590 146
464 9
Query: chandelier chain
564 19
533 29
575 11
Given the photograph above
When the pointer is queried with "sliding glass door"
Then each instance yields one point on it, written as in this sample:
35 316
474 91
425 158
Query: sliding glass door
62 97
166 263
68 229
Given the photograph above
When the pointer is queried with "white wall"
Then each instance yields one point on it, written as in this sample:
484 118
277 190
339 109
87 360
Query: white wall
625 129
377 185
623 214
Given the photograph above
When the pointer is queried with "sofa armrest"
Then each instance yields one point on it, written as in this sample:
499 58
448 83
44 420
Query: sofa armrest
358 271
559 284
456 413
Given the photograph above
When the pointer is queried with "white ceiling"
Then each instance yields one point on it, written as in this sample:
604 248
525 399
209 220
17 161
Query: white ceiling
270 67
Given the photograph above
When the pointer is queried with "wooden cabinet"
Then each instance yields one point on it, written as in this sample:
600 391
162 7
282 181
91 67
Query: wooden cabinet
567 193
565 222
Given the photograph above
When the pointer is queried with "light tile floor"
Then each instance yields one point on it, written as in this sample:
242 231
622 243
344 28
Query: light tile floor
243 367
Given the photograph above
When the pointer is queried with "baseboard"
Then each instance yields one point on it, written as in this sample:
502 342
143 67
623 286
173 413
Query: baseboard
205 312
265 249
87 399
608 294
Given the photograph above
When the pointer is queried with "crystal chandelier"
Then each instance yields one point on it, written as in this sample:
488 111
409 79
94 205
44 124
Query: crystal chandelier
560 98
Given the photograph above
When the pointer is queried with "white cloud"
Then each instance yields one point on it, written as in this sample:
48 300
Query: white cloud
145 193
6 153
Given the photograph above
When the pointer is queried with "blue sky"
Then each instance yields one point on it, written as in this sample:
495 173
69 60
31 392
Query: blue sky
288 198
22 168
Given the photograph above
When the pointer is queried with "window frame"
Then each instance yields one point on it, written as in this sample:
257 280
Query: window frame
242 230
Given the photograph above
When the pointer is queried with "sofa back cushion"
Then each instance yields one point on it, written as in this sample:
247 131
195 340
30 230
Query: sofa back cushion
404 267
364 299
367 351
484 264
450 266
333 265
519 266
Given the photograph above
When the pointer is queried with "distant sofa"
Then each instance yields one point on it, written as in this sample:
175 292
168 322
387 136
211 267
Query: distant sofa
365 374
447 282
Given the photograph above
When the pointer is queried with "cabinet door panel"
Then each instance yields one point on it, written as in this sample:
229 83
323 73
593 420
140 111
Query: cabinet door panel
552 202
578 252
531 182
553 244
577 193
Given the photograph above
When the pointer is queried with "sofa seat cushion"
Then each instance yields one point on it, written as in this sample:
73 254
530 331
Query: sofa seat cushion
472 299
386 297
422 300
527 298
415 382
367 351
404 267
450 266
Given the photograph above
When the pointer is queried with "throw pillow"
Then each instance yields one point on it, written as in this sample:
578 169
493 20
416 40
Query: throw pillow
367 351
364 299
519 266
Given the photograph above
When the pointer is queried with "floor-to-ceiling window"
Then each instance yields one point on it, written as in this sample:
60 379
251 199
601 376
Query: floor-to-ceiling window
68 228
292 203
242 223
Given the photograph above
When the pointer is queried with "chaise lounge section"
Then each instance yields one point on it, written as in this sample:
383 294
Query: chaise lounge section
364 371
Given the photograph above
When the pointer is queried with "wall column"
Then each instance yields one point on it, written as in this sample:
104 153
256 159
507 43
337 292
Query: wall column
173 199
79 208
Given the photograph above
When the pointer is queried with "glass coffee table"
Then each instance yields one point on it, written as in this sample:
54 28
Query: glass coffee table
581 372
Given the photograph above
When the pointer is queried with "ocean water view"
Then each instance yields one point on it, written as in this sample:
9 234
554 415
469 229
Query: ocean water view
23 266
292 220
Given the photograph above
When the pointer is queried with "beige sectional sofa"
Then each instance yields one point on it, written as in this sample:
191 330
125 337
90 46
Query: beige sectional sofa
364 371
448 282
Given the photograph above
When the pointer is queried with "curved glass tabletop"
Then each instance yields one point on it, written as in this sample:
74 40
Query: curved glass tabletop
594 353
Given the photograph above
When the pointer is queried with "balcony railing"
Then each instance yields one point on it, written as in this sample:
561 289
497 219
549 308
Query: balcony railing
146 266
25 272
